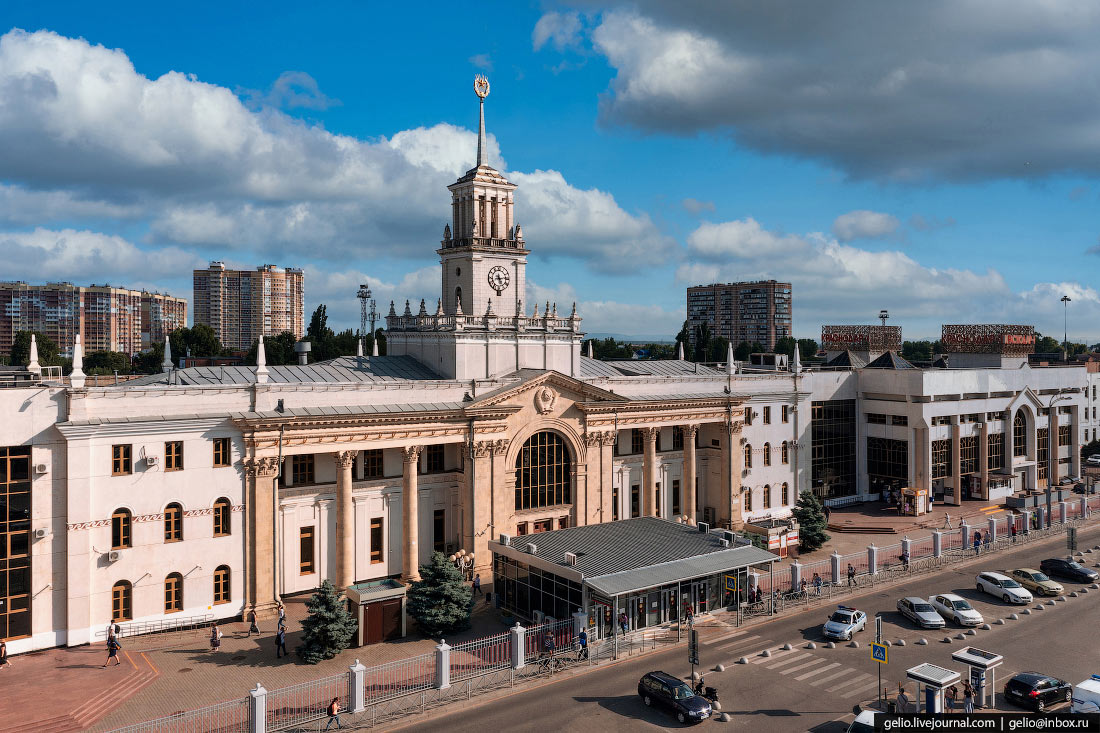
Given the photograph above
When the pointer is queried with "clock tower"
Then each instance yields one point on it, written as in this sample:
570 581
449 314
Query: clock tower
482 254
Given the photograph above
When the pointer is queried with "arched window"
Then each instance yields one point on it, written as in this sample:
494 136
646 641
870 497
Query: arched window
120 529
1019 434
543 472
785 453
122 601
222 527
748 455
748 499
173 523
786 495
173 593
767 496
221 584
767 454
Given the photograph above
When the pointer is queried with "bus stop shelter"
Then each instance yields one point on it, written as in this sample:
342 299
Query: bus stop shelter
931 681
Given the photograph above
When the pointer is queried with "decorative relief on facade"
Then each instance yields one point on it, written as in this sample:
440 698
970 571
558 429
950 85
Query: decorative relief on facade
500 447
96 524
483 448
261 466
544 399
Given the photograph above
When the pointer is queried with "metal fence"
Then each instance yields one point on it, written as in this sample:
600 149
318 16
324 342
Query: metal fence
858 561
231 716
535 641
921 547
476 657
402 677
158 626
291 706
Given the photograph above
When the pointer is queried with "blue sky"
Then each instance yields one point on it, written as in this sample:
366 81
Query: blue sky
930 161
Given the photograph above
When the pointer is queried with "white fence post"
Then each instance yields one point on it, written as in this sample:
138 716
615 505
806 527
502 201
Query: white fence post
257 709
907 548
1084 506
580 622
834 565
1062 512
1041 513
1027 521
442 665
357 691
872 559
519 646
992 529
754 580
937 544
965 530
796 576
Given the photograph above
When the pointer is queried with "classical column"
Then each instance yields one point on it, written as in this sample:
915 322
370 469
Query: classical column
345 520
956 462
733 445
260 474
983 460
649 473
410 515
688 498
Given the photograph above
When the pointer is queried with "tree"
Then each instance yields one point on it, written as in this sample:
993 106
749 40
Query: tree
106 362
440 600
21 349
328 629
812 524
918 350
786 345
741 353
1090 448
380 337
684 337
807 349
198 340
150 360
277 350
702 342
1046 344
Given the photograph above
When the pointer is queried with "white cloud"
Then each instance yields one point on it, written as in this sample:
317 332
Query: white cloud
965 90
292 90
482 61
559 29
864 224
696 206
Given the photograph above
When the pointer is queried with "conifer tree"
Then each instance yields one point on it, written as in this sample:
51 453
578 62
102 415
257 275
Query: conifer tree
440 600
329 628
810 516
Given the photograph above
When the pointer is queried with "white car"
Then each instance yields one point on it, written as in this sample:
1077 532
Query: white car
1003 587
1093 460
956 608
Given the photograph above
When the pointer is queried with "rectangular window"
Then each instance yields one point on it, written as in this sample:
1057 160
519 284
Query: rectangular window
521 529
1063 435
833 448
221 452
439 530
173 523
543 525
786 495
375 540
677 438
767 415
635 501
887 463
941 458
767 497
302 469
173 455
121 464
748 499
748 415
786 413
433 459
996 453
614 503
900 420
221 585
306 564
15 540
372 464
968 454
637 442
1042 452
563 522
676 497
876 418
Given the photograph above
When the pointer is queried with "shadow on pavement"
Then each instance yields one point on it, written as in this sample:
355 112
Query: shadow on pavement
632 707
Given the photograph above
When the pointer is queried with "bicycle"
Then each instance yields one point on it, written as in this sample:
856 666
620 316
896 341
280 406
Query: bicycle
550 664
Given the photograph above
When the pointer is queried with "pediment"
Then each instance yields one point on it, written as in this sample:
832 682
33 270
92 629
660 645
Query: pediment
1026 397
559 384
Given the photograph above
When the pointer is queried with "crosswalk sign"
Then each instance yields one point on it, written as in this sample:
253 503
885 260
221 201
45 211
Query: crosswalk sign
878 653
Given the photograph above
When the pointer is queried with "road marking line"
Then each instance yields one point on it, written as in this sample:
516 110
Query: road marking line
738 641
816 672
731 635
858 689
788 660
773 657
861 677
745 646
829 677
812 662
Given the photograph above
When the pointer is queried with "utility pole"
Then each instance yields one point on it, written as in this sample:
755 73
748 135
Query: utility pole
883 315
1065 336
367 312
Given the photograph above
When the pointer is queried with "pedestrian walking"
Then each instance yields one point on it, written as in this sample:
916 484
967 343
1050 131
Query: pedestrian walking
947 520
280 643
582 642
817 583
802 587
3 655
477 584
968 698
851 575
622 622
252 627
952 696
905 558
903 701
110 629
548 644
1012 530
987 539
977 543
333 714
215 638
282 615
689 616
112 651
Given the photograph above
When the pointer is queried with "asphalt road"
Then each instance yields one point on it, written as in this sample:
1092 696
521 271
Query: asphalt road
812 689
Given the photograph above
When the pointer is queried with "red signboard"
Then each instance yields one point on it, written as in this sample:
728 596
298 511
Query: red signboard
988 338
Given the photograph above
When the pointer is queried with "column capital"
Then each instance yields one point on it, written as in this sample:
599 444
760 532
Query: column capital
345 458
261 466
483 448
411 453
600 437
689 431
650 434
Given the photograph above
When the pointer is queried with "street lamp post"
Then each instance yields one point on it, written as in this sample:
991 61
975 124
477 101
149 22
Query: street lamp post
1065 323
1052 449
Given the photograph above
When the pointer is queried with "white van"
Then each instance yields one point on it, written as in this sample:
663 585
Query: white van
1086 696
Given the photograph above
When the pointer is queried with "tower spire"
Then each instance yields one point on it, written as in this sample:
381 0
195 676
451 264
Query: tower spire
481 89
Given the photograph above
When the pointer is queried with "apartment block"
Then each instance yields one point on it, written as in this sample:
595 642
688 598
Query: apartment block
106 317
746 311
242 305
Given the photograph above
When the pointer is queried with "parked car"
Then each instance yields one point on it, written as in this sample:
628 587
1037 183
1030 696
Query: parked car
1036 582
920 612
1003 587
1069 570
843 623
1093 460
955 608
1086 696
665 690
864 722
1037 691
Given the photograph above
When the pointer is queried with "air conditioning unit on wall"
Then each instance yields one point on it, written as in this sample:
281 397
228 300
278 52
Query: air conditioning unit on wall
114 555
41 533
152 460
41 468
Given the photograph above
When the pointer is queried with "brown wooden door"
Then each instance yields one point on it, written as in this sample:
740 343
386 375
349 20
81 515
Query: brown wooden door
374 623
391 619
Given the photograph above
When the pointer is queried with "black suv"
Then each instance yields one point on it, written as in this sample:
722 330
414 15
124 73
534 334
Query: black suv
661 688
1035 690
1068 569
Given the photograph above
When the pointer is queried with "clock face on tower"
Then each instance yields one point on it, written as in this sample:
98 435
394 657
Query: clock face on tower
498 279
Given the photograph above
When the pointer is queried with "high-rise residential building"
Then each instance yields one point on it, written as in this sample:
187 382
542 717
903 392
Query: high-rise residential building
107 318
242 305
757 312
